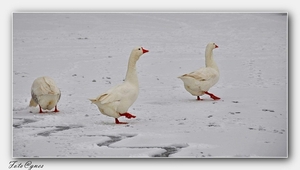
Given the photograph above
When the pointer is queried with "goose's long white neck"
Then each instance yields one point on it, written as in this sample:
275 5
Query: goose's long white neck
209 59
131 75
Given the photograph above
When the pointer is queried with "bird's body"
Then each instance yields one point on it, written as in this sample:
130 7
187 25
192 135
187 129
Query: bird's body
45 93
117 100
200 81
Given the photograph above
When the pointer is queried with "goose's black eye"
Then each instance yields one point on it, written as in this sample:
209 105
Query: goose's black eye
139 49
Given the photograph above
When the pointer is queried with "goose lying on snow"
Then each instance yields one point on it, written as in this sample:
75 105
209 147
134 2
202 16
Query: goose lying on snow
200 81
116 101
44 93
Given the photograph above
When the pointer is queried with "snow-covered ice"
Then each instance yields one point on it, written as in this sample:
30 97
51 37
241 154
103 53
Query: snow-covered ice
87 53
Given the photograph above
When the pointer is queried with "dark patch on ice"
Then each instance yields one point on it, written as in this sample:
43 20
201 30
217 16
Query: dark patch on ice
24 122
268 110
80 38
203 155
260 128
114 139
169 150
279 131
22 73
233 113
58 129
213 125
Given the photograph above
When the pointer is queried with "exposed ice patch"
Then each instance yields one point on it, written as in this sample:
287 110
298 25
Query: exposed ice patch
58 129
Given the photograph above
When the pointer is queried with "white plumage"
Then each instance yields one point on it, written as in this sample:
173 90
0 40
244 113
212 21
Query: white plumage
45 93
200 81
116 101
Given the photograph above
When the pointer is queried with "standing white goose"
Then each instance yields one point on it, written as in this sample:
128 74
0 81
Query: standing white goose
44 93
200 81
116 101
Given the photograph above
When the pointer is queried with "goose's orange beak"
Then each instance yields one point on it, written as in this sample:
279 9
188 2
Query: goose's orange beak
216 46
145 50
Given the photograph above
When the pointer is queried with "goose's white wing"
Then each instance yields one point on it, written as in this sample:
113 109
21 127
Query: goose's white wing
203 74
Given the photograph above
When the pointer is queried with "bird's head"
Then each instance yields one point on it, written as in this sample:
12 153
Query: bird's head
212 45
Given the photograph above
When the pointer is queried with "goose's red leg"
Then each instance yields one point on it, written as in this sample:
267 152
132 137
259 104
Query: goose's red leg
55 110
41 111
212 96
118 122
127 115
198 98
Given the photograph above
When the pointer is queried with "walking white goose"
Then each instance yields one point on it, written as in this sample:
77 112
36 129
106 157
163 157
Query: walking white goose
116 101
200 81
44 93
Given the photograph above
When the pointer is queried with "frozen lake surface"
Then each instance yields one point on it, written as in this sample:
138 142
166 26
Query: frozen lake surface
86 54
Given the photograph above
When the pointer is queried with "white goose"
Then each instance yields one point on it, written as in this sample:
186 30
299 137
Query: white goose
44 93
116 101
200 81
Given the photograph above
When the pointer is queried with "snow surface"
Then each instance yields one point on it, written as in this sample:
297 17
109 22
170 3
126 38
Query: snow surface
87 53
